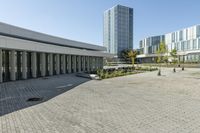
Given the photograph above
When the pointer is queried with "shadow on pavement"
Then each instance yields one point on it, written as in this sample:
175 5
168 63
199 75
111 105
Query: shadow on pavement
17 95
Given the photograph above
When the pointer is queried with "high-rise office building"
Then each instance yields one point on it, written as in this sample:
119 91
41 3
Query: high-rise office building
118 29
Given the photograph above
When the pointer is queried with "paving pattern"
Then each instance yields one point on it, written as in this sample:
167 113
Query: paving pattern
141 103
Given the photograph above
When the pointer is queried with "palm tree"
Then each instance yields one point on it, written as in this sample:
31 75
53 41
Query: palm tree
132 55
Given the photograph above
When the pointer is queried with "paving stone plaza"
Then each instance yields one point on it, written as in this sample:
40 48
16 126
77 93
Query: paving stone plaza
141 103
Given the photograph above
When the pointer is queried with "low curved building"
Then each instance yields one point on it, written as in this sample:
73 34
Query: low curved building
28 54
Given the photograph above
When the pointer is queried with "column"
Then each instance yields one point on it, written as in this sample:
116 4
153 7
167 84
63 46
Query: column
69 64
96 63
1 76
79 63
92 63
24 65
12 65
63 64
83 63
57 64
7 66
101 62
34 64
74 63
43 64
50 64
88 63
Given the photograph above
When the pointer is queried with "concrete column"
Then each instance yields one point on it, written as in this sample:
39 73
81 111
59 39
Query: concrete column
74 63
63 64
34 64
79 63
50 64
83 63
43 64
96 63
57 64
12 66
1 68
88 63
101 62
69 64
24 65
92 63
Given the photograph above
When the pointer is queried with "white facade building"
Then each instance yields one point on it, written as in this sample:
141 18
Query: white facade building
28 54
185 41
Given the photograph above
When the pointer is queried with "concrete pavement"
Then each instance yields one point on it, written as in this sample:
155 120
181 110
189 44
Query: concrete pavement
141 103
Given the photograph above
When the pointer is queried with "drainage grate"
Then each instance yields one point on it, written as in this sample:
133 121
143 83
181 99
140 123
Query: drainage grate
33 99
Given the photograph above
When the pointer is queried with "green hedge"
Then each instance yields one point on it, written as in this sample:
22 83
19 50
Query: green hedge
110 73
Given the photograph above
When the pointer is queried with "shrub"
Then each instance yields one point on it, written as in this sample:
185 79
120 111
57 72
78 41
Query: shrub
109 73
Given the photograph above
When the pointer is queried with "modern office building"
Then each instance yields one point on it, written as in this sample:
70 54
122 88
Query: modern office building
118 29
27 54
185 41
149 46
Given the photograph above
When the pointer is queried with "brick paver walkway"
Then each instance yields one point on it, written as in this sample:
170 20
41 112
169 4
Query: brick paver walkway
141 103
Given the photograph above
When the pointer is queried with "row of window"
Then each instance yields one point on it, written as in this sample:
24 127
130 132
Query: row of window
185 35
192 57
187 45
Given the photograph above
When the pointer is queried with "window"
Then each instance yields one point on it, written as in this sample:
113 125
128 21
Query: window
198 31
175 46
185 45
178 46
199 43
194 45
180 35
173 37
182 46
188 45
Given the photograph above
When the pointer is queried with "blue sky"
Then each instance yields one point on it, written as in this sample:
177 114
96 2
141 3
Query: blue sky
82 20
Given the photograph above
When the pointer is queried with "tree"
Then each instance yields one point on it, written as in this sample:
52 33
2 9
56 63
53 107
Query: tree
173 53
124 55
129 55
132 55
162 57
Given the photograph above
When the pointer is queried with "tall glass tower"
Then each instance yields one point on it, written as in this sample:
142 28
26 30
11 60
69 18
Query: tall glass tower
118 29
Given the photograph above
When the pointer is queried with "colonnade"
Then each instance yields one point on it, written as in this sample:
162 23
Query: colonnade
17 65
